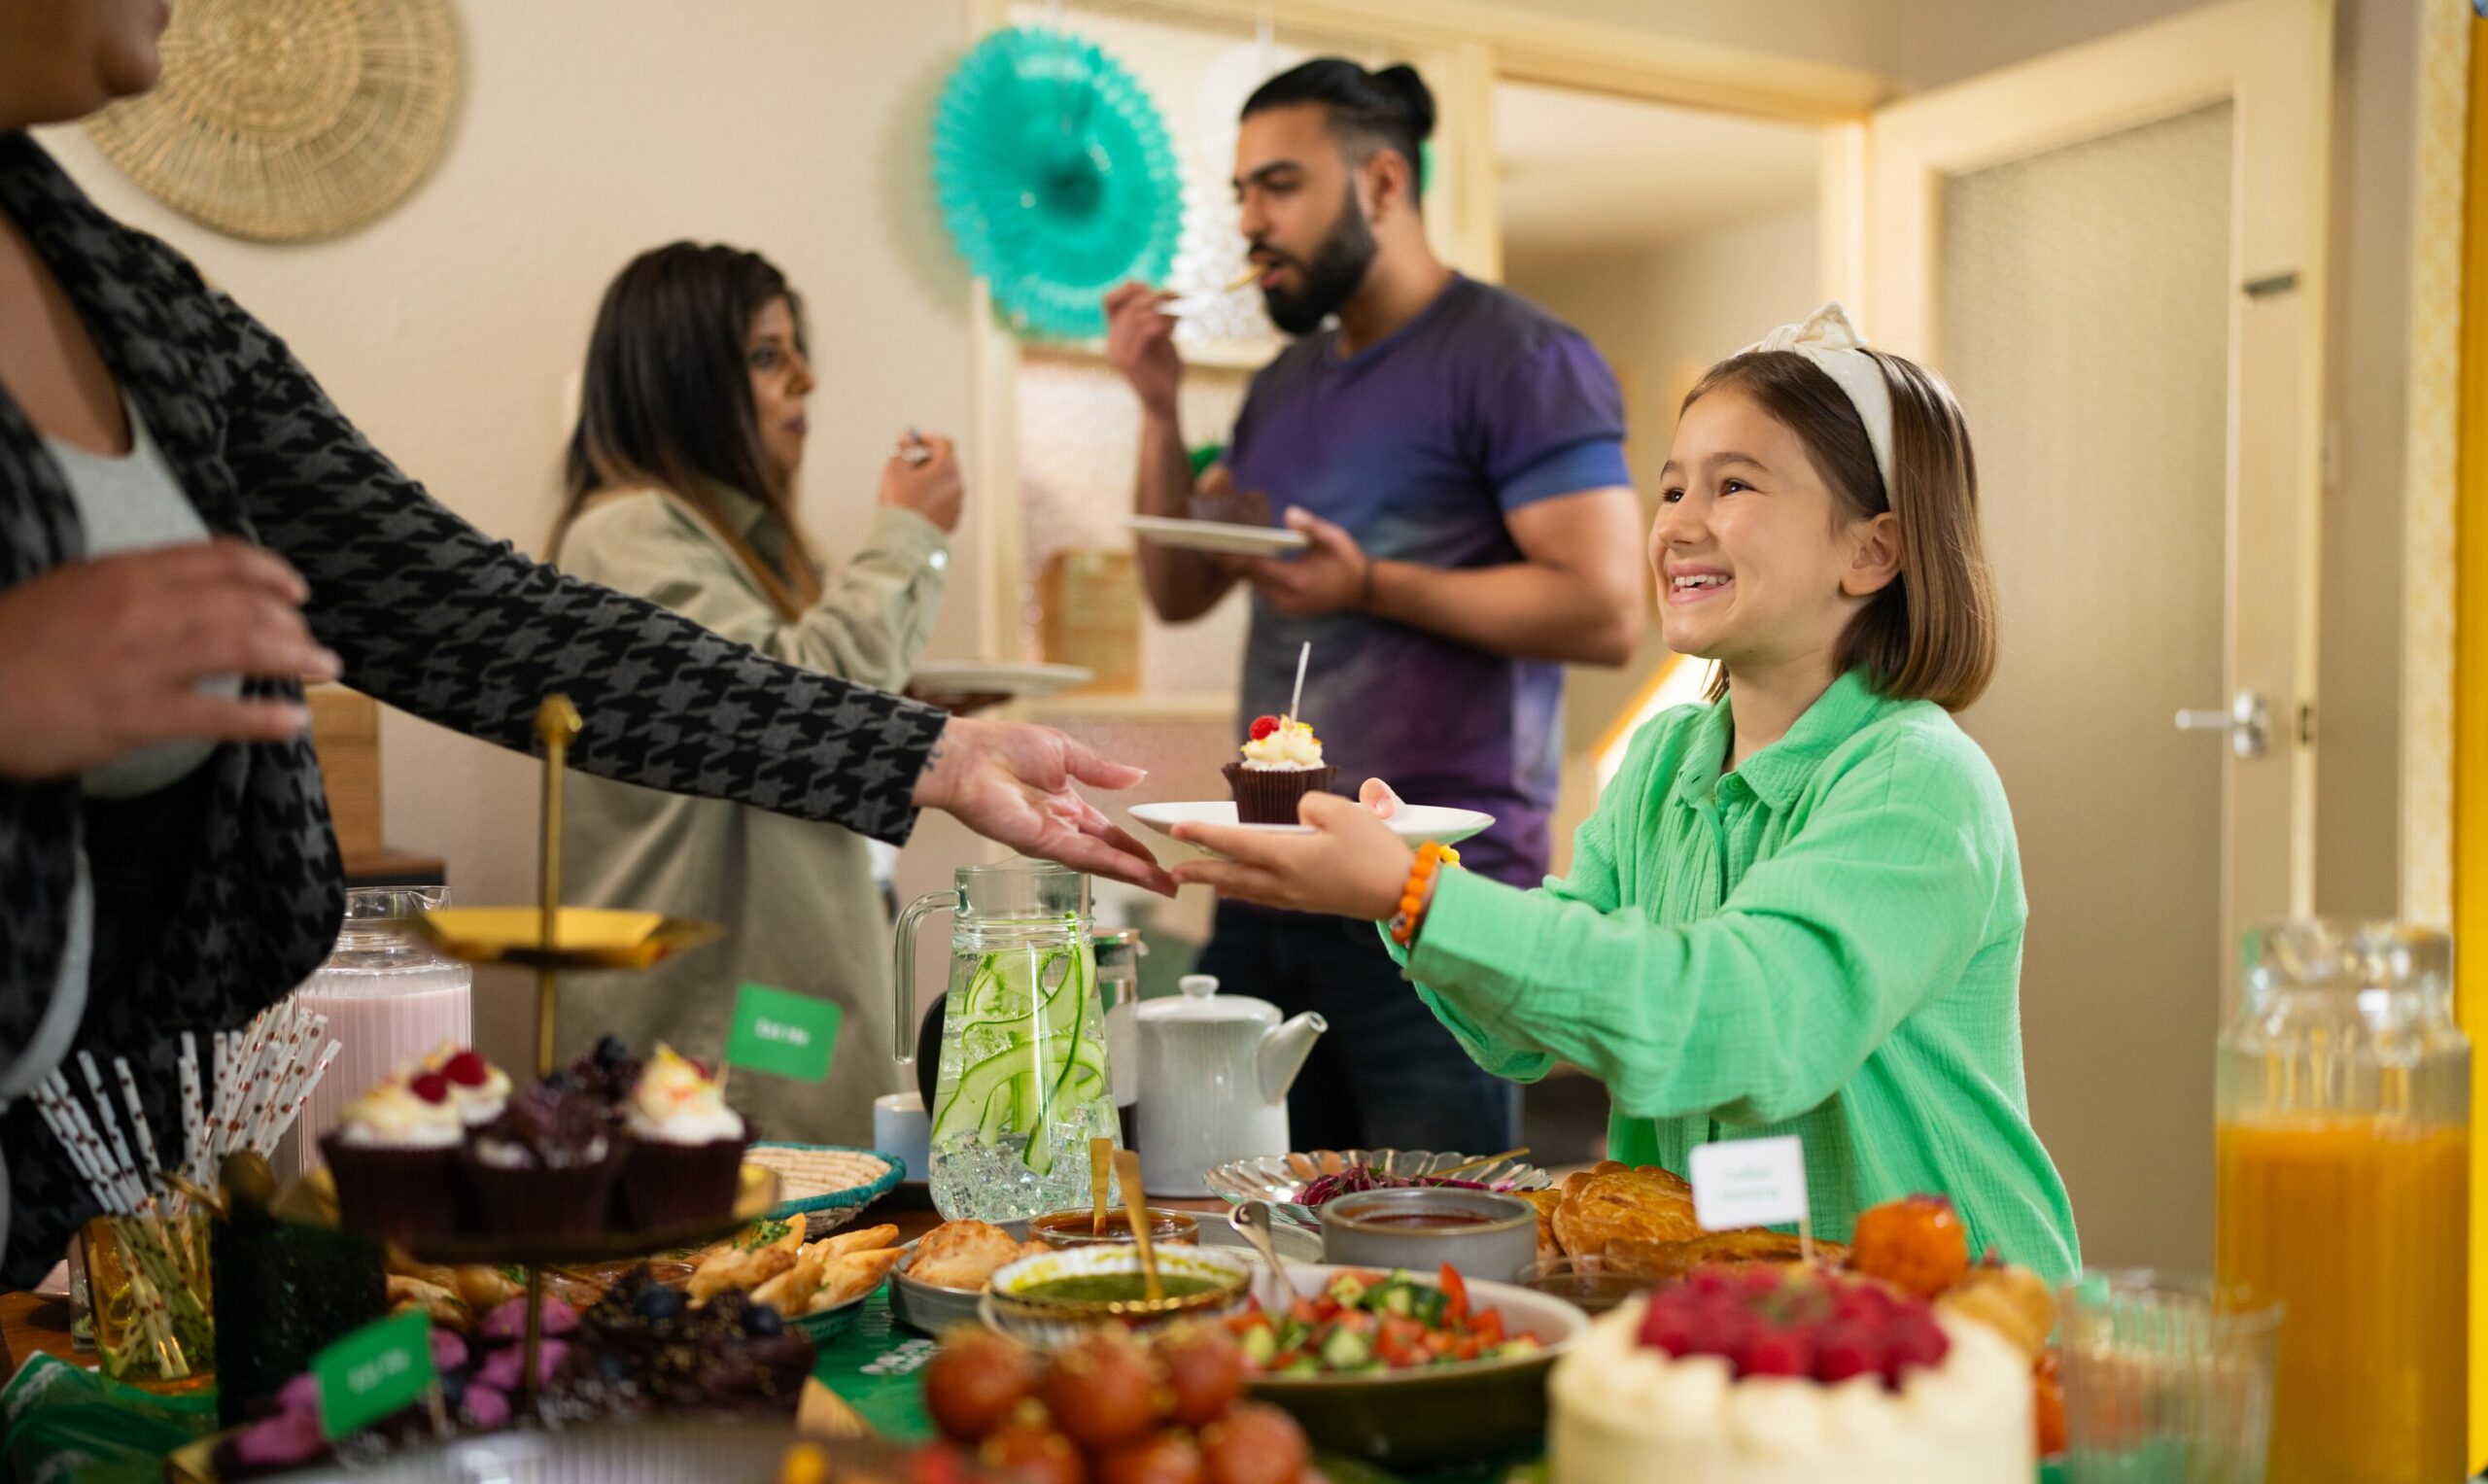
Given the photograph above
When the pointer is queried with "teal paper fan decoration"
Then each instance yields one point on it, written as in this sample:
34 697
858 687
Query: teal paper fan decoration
1055 176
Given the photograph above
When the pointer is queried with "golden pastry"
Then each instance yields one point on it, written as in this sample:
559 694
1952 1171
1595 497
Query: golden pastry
791 1292
1745 1247
962 1255
852 1275
2013 1300
1618 1205
486 1288
1546 1203
863 1239
446 1309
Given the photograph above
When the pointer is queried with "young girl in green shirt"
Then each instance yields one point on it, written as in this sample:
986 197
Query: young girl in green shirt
1798 907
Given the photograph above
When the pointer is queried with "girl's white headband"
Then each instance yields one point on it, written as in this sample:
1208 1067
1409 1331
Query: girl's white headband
1827 339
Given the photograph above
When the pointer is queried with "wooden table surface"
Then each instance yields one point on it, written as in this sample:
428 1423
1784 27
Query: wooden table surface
30 1323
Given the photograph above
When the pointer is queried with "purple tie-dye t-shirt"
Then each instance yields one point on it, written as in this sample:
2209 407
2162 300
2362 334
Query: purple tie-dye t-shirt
1420 445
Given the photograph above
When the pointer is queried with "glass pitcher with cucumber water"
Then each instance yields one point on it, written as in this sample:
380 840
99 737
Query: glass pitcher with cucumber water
1022 1085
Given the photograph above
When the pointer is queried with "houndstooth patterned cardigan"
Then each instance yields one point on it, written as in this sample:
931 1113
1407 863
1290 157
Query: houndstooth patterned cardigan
429 616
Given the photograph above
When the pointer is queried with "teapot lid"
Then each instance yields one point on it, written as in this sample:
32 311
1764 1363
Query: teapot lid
1203 1004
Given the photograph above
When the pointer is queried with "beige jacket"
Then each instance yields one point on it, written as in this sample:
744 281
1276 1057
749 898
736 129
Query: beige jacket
798 900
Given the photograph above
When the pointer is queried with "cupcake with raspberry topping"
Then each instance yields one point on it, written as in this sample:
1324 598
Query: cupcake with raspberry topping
477 1088
686 1145
1282 763
394 1156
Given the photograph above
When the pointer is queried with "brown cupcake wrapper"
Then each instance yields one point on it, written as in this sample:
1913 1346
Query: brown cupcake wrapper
402 1195
1270 795
532 1200
663 1183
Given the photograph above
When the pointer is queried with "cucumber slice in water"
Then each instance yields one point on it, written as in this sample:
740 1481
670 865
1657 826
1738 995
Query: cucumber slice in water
1038 1006
994 1005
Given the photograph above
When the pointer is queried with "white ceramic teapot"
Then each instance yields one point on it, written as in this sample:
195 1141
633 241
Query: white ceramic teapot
1214 1074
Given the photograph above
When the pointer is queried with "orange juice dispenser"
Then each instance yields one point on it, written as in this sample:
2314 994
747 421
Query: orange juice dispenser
2344 1160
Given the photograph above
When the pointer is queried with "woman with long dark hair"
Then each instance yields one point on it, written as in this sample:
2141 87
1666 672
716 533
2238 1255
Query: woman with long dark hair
188 527
681 490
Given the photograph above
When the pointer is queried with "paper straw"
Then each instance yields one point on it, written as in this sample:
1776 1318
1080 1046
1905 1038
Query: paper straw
122 1165
138 1118
48 1101
107 1190
1303 657
216 1093
246 1086
302 1094
281 1062
193 1112
266 1071
294 1062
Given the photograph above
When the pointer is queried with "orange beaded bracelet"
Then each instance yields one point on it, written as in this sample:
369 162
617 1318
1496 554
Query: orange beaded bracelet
1419 893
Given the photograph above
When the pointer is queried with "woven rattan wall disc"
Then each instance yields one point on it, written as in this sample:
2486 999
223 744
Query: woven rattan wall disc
290 120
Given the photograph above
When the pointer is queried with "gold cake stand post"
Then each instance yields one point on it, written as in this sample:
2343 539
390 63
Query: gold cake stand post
549 939
557 721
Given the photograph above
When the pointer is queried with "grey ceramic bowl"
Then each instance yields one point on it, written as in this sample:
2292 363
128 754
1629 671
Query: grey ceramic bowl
1480 1233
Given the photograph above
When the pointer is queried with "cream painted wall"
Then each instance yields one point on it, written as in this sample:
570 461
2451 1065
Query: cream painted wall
1661 319
589 131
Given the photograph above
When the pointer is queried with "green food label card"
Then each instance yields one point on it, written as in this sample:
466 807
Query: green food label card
380 1368
786 1035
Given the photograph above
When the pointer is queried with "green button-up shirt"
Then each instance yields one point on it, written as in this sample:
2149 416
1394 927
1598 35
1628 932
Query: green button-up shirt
1825 942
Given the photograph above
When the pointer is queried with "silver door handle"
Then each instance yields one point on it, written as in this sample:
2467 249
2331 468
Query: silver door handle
2248 722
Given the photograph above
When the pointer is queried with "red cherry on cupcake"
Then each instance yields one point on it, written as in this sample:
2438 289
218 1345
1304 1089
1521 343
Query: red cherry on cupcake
466 1069
430 1086
1263 726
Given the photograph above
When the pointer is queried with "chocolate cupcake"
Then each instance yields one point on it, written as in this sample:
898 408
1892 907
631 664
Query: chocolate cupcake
1282 764
394 1156
545 1167
608 1074
686 1145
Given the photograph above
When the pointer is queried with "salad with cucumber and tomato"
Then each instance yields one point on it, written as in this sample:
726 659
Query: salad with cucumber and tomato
1366 1321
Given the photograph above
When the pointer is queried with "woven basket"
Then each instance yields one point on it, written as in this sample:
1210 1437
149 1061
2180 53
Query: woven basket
290 120
827 1185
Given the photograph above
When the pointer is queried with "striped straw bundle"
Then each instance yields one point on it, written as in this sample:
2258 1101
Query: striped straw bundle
257 1083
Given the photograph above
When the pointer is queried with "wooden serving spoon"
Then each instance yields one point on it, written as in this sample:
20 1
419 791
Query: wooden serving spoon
1128 1166
1102 1174
1521 1152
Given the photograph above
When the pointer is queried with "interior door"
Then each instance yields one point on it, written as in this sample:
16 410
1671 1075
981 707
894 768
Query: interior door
2116 254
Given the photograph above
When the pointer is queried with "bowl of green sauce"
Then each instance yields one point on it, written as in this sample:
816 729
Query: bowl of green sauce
1052 1296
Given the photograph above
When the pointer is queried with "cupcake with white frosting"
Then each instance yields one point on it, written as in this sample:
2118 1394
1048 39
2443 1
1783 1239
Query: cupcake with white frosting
686 1145
1281 763
479 1089
394 1158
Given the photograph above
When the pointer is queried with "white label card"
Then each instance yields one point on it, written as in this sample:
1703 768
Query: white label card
1750 1183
